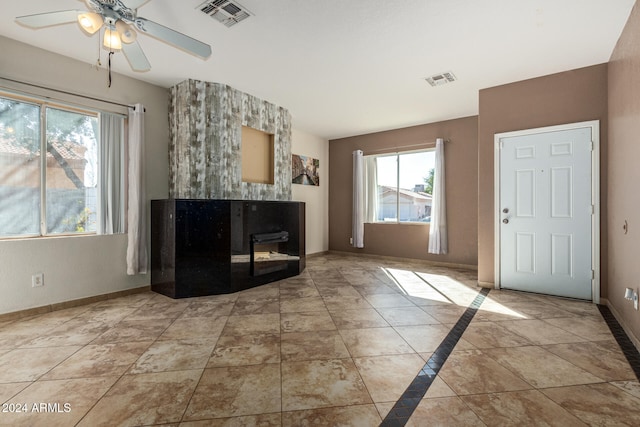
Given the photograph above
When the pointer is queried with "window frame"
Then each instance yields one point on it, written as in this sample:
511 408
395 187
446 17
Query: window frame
397 155
43 104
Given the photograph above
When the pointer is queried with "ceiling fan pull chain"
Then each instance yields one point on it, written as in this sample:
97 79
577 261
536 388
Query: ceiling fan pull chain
110 53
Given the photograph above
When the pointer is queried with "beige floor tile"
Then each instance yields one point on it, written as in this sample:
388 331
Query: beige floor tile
604 359
590 328
134 330
597 404
159 307
439 388
236 391
109 315
195 328
445 313
302 289
299 346
388 300
540 332
12 340
339 303
320 384
445 412
179 355
473 372
102 360
252 324
539 367
540 309
264 292
631 387
336 289
73 332
406 316
242 350
374 342
296 305
494 311
264 420
377 288
30 364
490 335
523 408
355 416
144 399
66 402
387 377
259 306
307 321
424 338
207 309
358 319
7 391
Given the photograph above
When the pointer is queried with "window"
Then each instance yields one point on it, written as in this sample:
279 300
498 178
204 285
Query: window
52 194
403 186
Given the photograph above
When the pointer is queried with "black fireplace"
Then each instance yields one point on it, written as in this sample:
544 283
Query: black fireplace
208 247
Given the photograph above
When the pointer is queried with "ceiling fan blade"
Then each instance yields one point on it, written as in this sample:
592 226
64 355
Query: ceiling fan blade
134 4
40 20
136 57
175 38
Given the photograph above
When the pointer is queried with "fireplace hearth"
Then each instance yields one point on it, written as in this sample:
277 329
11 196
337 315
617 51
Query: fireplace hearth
209 247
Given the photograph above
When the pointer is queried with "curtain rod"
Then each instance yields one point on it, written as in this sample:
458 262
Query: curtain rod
402 147
67 93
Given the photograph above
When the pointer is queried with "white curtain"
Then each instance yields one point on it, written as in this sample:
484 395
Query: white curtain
357 230
371 189
137 215
438 229
111 175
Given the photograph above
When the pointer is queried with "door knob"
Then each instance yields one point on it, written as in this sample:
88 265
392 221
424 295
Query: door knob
505 210
505 221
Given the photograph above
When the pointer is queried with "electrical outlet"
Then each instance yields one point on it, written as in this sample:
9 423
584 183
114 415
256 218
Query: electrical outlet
351 240
37 280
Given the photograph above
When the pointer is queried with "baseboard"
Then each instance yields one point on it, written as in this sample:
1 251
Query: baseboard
488 285
634 340
393 258
16 315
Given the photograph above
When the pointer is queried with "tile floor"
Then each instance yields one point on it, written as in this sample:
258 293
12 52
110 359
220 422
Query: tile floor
336 346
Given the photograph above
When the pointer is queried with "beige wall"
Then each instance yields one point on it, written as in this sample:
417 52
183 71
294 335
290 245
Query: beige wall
316 198
568 97
78 267
624 173
406 240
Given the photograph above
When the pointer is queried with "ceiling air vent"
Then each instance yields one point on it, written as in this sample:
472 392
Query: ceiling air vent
226 12
441 79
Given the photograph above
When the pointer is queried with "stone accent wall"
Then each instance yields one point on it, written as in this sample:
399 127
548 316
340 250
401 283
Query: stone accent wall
205 126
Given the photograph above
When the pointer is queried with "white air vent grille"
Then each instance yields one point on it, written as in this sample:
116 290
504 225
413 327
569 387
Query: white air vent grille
441 79
226 12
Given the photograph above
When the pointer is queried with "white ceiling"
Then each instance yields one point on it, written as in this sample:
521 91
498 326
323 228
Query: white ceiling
350 67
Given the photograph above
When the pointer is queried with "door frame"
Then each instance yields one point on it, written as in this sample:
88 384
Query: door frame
595 196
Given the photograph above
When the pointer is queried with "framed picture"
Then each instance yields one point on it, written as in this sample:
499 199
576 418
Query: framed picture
304 170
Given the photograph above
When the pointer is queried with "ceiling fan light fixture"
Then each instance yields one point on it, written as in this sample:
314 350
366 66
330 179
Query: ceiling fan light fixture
127 34
90 22
112 39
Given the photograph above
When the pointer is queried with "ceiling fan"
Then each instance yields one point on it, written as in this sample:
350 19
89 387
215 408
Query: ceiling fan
119 17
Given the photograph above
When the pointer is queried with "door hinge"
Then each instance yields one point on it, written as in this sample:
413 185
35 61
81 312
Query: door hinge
593 274
592 145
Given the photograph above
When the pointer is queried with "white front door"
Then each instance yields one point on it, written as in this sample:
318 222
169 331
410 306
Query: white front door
546 211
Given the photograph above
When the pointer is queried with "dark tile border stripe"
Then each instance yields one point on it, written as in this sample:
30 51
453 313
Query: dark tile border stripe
629 350
404 407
